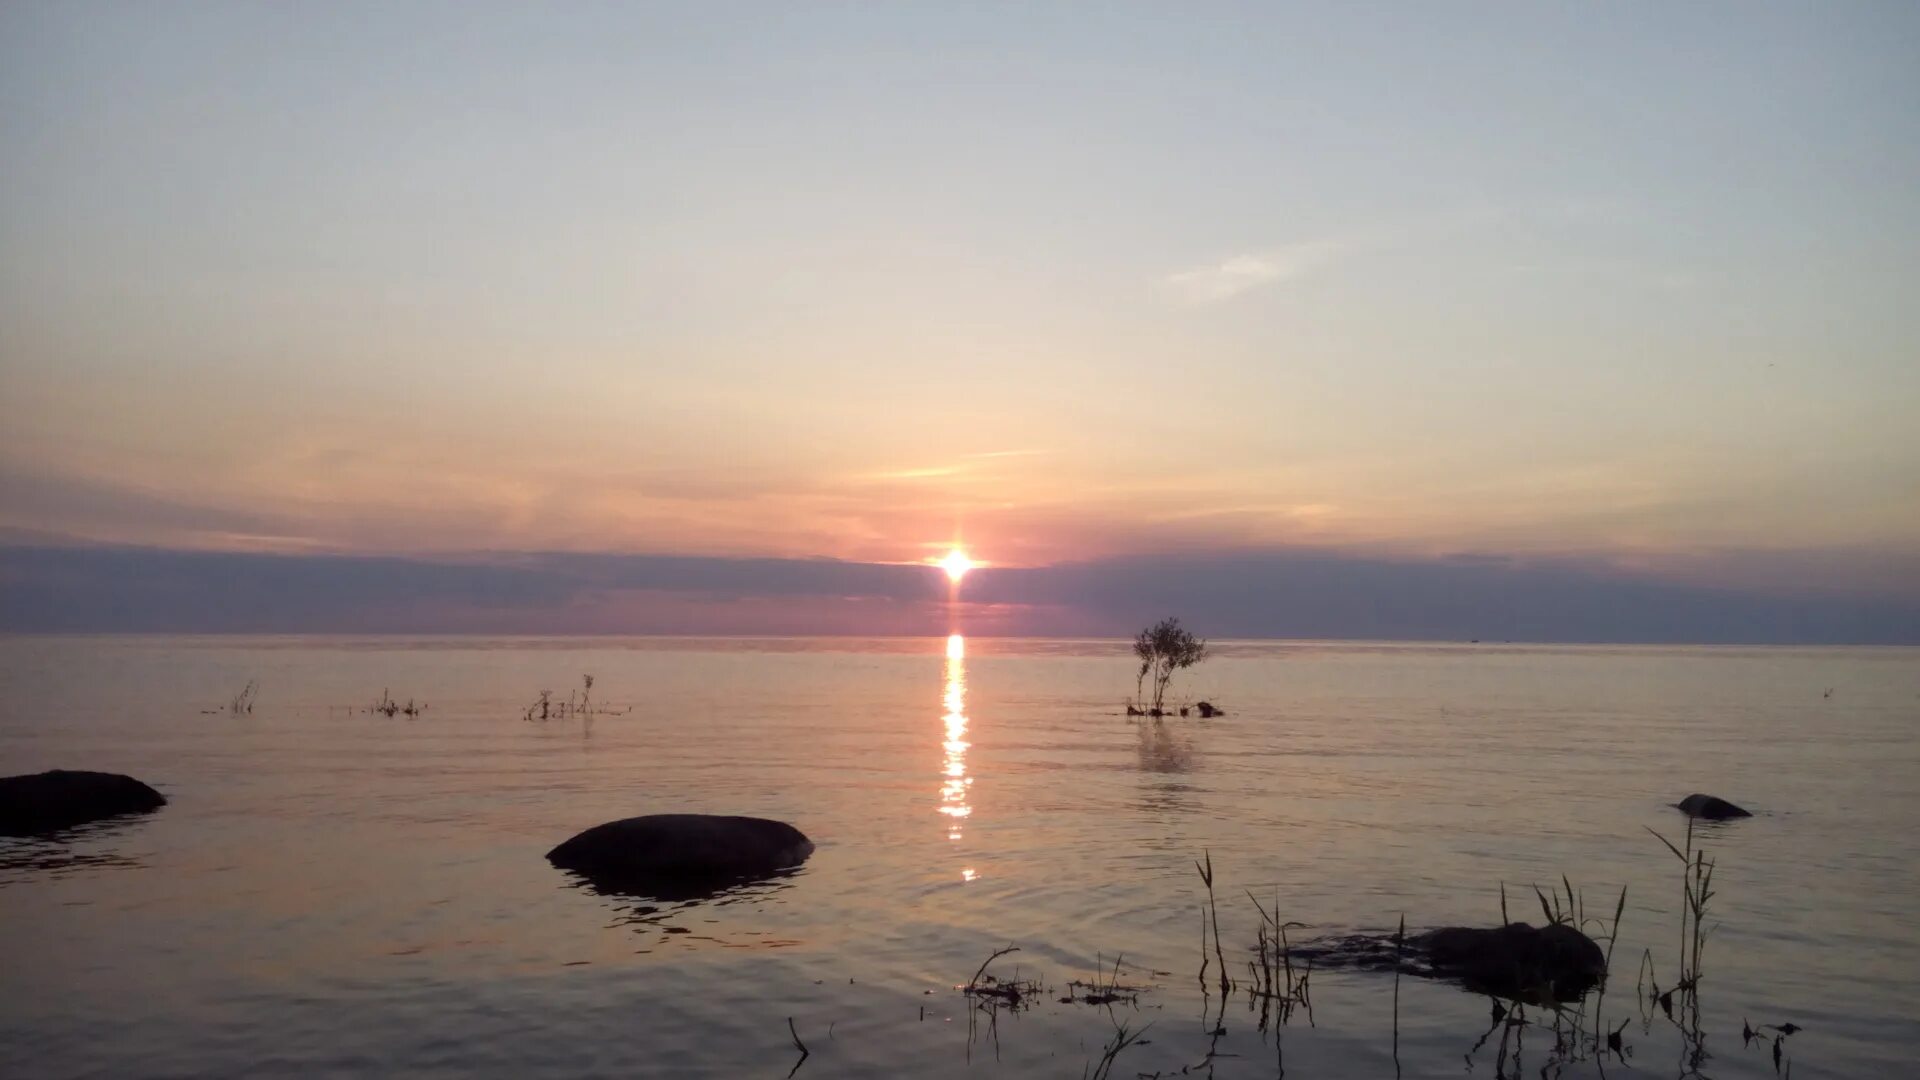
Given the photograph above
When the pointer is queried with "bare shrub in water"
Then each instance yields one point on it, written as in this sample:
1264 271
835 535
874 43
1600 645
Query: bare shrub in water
1162 649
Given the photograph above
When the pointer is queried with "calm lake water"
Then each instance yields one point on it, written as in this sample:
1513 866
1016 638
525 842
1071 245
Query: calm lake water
332 891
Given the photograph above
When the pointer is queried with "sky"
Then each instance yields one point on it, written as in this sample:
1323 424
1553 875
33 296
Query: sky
1349 304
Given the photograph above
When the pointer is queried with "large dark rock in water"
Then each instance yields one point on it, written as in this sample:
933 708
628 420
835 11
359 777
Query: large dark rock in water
1557 962
1710 808
44 802
1517 961
672 855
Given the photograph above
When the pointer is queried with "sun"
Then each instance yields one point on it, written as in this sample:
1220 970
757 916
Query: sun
956 564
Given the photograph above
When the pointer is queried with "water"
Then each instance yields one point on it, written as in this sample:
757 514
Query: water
332 891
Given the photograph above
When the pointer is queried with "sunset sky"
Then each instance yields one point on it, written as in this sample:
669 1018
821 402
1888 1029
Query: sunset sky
1624 293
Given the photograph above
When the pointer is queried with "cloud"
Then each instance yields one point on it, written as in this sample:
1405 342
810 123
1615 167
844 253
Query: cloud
1004 453
1280 593
1237 274
930 472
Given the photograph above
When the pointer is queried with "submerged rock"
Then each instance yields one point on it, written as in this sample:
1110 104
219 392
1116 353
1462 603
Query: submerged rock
681 854
60 798
1709 807
1517 960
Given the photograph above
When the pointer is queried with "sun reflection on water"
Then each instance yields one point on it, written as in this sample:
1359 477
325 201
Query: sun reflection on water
953 788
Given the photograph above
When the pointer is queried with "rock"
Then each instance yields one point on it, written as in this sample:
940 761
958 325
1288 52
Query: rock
1709 807
681 854
1517 960
59 798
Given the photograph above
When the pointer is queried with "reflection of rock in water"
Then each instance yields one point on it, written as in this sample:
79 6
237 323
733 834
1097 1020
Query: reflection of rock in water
683 889
657 906
55 860
1518 961
67 851
1163 752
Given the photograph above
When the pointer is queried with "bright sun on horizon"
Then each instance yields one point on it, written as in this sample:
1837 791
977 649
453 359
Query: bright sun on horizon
956 564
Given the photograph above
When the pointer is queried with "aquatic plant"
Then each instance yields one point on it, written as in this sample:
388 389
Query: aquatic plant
1278 987
241 704
797 1045
1015 993
989 994
1696 891
1123 1037
1105 989
390 706
579 705
1278 979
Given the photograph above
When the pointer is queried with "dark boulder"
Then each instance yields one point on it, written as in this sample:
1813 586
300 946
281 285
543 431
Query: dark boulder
1709 808
1547 963
681 854
60 798
1519 962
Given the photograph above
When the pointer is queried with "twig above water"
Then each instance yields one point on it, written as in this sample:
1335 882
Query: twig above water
798 1045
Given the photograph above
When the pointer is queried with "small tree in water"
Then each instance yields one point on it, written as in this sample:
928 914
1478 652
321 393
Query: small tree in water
1164 648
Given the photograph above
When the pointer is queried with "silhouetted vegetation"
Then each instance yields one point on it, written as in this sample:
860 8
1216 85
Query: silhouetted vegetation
1105 989
389 706
1123 1037
1013 993
1696 890
1162 649
241 704
797 1045
578 706
1532 1030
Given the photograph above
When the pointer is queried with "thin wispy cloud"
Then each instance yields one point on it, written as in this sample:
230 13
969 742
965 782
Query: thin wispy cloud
1004 453
931 472
1238 274
963 465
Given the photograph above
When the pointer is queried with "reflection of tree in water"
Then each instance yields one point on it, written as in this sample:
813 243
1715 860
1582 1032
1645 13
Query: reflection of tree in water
1164 800
1162 751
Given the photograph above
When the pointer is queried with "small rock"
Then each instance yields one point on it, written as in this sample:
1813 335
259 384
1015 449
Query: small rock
1709 808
